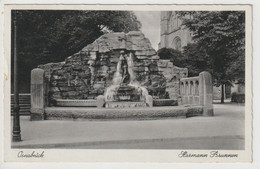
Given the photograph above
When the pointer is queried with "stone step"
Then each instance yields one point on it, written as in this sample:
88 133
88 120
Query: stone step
22 96
75 103
22 113
24 103
165 102
25 98
22 108
125 104
22 99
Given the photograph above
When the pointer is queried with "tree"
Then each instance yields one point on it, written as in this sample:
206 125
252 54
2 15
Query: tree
169 53
197 60
221 35
191 57
52 35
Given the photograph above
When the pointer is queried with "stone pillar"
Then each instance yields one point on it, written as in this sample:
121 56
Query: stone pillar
37 94
100 101
149 100
206 93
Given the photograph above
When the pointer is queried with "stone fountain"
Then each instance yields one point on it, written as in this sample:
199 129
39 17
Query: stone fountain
121 67
118 70
126 91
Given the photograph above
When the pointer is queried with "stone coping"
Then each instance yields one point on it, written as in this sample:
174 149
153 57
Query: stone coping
76 103
80 100
93 103
189 78
122 104
165 102
22 94
60 113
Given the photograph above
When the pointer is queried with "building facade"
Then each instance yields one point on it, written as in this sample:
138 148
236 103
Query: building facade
173 34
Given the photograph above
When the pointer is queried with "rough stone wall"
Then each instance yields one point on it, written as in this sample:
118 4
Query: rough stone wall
173 74
87 74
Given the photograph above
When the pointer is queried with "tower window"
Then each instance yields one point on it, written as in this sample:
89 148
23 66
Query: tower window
177 43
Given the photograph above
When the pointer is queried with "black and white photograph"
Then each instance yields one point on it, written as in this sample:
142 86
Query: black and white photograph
129 80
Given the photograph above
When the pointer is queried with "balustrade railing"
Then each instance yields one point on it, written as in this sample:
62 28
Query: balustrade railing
198 91
189 90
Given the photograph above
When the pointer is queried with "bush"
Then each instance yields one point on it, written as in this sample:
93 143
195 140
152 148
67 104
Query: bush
238 98
173 55
169 53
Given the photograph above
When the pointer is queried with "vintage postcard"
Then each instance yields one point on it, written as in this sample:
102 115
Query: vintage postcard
127 83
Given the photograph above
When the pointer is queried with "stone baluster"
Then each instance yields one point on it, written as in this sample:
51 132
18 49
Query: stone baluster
193 91
189 91
184 92
182 88
194 86
197 88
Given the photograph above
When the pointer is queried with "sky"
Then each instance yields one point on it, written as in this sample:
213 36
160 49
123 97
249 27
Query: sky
150 25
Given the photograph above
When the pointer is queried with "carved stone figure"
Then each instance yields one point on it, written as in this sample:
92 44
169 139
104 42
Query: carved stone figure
124 69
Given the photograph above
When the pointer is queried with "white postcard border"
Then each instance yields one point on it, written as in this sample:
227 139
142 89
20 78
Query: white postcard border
168 156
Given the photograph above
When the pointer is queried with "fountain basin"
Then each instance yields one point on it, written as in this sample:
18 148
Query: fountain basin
75 103
113 104
125 104
165 102
89 113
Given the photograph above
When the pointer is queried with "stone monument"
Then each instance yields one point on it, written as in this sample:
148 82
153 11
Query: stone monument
125 88
88 73
118 70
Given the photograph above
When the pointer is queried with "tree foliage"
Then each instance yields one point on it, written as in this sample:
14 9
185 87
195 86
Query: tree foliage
221 35
45 36
191 57
169 53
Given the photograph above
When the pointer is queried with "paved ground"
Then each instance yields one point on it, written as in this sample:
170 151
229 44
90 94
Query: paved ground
225 130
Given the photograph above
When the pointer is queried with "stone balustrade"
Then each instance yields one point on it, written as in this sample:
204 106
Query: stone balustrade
189 90
198 91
